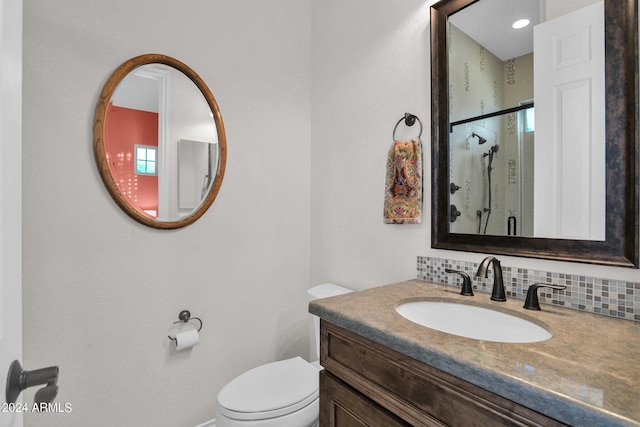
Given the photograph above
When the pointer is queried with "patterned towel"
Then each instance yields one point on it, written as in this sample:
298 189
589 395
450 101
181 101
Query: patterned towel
403 188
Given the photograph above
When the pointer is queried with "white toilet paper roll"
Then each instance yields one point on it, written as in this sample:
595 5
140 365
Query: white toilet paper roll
187 339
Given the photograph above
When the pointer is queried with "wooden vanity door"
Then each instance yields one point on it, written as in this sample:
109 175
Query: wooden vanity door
341 406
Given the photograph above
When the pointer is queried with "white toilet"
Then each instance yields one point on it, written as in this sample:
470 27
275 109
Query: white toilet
278 394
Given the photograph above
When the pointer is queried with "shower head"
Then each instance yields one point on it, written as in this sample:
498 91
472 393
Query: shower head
481 140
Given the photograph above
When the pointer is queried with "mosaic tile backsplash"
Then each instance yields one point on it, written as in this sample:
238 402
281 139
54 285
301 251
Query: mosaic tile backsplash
615 298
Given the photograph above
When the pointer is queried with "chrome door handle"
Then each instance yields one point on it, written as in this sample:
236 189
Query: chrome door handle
18 379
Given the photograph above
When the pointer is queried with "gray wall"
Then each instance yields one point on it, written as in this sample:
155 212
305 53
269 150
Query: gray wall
100 290
370 66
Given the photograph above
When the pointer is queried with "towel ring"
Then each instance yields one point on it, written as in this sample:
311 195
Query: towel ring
185 316
409 120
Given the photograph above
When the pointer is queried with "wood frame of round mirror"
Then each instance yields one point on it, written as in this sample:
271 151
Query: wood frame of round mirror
99 143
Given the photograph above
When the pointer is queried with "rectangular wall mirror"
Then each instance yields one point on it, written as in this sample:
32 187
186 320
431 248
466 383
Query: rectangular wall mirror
535 137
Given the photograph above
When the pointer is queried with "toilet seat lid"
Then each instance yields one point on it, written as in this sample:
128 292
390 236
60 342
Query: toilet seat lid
270 390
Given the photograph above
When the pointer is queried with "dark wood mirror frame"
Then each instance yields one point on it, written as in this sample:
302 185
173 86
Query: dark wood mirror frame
99 149
620 248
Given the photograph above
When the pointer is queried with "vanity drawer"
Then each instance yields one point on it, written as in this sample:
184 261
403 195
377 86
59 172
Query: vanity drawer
418 393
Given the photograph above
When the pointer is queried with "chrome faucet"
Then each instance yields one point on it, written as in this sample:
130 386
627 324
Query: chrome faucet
497 294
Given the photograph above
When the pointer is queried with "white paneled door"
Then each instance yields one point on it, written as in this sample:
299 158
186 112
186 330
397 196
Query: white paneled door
569 193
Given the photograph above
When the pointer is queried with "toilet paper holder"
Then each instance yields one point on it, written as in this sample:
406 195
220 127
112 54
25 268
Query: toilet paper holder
185 317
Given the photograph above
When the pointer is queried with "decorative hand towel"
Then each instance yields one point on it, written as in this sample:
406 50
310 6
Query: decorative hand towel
403 187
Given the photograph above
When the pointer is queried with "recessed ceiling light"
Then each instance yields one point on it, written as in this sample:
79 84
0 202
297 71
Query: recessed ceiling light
520 23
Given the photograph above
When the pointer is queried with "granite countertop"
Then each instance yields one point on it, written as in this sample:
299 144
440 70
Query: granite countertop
587 374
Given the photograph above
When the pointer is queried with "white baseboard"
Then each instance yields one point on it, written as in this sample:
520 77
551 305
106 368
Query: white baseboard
210 423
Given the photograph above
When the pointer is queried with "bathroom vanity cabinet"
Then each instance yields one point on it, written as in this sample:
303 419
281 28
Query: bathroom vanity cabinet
367 384
384 370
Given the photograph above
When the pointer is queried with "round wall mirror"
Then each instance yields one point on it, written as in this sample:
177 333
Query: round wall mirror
159 141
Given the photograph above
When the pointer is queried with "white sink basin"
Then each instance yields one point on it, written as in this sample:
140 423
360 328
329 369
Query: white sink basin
472 322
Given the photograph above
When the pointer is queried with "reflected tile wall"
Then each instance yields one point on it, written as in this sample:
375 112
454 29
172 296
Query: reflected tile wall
613 298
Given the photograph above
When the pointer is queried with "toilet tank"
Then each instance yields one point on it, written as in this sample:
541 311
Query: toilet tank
323 291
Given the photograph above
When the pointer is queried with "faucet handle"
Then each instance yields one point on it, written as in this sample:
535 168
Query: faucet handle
531 303
467 289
